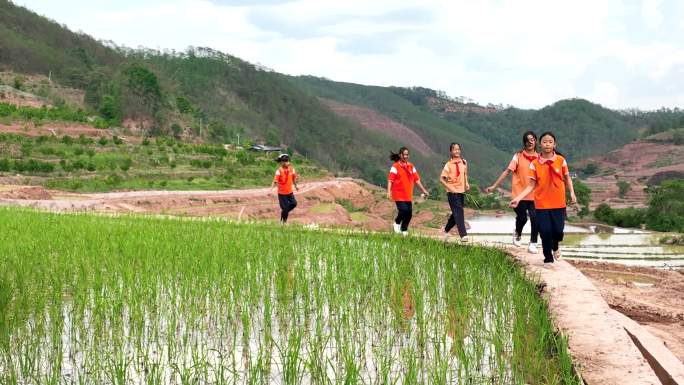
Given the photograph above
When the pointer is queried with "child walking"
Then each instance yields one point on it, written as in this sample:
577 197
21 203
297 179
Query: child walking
402 176
454 178
549 177
519 167
285 177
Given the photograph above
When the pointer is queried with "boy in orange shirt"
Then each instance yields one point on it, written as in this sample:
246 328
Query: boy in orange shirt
285 177
520 168
549 176
402 176
454 178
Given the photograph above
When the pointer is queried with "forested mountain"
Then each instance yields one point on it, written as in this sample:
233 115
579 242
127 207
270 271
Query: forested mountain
581 127
202 94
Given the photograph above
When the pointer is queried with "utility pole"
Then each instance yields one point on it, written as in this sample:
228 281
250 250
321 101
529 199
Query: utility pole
50 76
200 128
238 138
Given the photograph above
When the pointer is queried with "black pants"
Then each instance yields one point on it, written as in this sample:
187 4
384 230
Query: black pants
522 211
287 203
456 218
551 223
404 215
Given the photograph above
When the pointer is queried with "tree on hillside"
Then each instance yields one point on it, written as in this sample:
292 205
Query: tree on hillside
666 206
141 94
583 194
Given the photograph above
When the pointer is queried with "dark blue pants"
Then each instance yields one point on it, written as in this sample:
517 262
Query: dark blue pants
550 223
404 215
287 203
457 217
522 211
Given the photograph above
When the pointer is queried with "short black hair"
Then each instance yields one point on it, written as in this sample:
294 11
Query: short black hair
283 158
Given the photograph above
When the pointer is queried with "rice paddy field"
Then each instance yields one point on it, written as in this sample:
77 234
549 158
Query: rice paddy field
87 299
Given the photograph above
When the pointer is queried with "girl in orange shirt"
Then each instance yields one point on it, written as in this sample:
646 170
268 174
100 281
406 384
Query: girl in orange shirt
549 177
520 168
454 178
402 176
285 177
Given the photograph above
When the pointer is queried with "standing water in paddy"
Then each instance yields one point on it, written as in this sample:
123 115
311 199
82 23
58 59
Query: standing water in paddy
165 301
625 246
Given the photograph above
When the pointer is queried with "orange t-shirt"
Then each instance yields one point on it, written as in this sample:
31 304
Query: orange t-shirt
454 172
403 176
520 167
285 177
550 176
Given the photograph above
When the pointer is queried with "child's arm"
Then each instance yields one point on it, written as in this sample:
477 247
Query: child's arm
500 179
530 187
568 182
425 191
389 189
465 178
443 181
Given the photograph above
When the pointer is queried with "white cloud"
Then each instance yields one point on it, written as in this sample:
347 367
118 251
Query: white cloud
527 53
651 13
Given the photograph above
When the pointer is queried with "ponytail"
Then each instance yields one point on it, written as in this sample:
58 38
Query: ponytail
395 157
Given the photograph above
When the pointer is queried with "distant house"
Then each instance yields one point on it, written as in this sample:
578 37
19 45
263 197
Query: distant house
263 148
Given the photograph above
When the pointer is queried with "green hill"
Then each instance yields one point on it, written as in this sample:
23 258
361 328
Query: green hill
202 95
581 127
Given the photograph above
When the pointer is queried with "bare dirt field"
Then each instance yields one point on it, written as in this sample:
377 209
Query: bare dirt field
374 121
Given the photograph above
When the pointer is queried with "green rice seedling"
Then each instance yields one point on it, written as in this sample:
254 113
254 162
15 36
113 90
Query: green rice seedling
147 300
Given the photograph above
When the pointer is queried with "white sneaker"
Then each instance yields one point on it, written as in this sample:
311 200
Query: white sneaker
516 240
465 239
446 237
404 233
557 254
396 227
532 248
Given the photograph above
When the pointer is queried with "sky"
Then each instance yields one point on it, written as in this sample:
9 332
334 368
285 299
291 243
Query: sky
529 54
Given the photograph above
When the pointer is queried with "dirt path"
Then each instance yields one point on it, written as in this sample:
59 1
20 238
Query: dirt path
654 298
601 349
319 202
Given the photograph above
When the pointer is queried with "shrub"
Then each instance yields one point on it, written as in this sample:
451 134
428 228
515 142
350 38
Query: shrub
666 206
84 140
126 164
5 165
590 169
623 188
102 141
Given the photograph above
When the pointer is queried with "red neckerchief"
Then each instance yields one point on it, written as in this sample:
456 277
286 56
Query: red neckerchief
286 172
530 158
406 167
456 163
552 171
